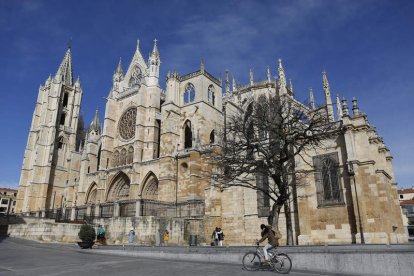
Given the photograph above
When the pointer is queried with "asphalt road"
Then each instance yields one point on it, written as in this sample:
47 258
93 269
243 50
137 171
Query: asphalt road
20 257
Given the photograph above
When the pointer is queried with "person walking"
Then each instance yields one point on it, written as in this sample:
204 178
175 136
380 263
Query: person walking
101 234
220 236
214 236
131 236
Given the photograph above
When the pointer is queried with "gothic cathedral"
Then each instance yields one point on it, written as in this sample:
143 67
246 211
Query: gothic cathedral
150 158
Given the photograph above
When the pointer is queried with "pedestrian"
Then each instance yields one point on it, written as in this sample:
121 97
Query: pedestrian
131 236
166 237
214 236
101 234
220 236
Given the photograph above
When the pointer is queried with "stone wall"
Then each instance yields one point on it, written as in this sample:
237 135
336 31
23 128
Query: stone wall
149 230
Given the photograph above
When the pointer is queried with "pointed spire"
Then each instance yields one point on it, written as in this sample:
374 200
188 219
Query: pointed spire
48 80
345 107
119 73
65 72
291 86
338 107
325 81
327 96
227 82
312 98
282 78
137 58
95 124
234 88
77 83
268 73
355 108
251 77
119 69
155 52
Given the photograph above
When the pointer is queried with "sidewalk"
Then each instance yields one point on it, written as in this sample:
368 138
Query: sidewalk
334 260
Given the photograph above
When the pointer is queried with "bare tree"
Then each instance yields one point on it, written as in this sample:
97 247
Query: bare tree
262 141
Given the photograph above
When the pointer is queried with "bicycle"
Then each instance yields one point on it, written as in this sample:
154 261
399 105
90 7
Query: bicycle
280 262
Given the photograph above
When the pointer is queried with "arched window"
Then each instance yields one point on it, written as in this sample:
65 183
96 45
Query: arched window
99 158
157 138
249 131
212 137
136 76
188 135
262 111
211 95
130 156
123 157
65 100
189 93
62 118
115 159
248 123
327 178
330 179
60 143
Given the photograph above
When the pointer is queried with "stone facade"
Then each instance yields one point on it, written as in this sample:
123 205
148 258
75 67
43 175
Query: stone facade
155 148
7 200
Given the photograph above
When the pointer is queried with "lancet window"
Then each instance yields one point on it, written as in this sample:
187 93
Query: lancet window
189 93
327 178
188 135
211 95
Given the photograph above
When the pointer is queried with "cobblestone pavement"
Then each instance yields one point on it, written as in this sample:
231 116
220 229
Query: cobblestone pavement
21 257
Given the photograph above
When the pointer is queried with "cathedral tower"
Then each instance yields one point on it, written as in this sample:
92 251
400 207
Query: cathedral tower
51 143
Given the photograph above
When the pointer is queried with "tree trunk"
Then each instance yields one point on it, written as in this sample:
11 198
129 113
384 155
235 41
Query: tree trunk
289 231
273 219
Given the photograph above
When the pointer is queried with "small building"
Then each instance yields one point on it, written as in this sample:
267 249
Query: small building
406 197
7 200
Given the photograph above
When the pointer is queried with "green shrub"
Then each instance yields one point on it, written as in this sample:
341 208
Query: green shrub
87 233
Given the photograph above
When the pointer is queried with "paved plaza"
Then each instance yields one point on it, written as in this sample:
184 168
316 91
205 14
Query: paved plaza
21 257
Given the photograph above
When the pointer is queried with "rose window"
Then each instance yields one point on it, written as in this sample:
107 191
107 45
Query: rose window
127 124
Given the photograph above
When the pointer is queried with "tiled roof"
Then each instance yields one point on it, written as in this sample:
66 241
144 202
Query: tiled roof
406 191
8 189
407 202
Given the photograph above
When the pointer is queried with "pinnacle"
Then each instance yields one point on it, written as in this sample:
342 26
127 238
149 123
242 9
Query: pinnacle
155 49
65 68
119 67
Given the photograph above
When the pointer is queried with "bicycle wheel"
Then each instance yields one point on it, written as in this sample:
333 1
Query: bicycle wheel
251 261
282 263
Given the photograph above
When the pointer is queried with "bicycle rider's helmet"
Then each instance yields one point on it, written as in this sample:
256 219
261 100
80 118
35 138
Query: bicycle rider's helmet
262 226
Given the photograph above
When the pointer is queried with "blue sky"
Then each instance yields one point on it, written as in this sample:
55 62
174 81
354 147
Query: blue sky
365 46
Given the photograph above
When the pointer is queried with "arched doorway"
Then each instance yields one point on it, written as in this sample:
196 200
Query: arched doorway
150 188
119 188
92 194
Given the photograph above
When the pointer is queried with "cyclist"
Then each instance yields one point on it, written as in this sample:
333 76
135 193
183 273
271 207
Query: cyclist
273 241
